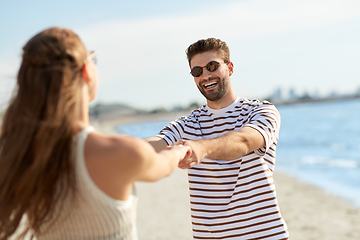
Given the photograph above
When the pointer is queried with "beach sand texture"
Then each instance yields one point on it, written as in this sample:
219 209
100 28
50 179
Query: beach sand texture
310 213
164 208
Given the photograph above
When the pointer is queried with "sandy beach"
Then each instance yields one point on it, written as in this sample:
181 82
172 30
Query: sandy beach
164 208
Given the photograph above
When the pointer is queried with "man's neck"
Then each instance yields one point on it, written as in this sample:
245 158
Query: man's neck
225 101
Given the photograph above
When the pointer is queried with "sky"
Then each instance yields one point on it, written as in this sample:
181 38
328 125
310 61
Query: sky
310 45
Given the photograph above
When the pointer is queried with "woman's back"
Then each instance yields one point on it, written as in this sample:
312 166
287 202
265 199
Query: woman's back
68 191
90 214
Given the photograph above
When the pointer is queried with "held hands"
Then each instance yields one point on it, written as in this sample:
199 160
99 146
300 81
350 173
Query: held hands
195 156
184 151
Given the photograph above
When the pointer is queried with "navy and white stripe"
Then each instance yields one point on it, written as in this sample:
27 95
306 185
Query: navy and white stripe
233 199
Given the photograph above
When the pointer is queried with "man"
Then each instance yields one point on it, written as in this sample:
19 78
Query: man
233 142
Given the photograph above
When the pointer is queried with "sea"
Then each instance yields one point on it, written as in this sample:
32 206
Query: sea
319 143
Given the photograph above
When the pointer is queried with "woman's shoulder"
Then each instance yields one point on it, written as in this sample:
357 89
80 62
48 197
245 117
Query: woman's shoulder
112 145
122 152
112 162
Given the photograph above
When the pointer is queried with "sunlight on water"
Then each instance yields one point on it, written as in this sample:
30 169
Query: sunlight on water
319 143
142 130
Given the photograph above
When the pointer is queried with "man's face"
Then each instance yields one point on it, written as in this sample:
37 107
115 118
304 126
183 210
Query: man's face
213 85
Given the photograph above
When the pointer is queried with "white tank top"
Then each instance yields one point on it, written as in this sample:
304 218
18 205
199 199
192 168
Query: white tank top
92 214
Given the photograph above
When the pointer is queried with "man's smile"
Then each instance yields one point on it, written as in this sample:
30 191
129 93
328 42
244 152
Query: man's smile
210 85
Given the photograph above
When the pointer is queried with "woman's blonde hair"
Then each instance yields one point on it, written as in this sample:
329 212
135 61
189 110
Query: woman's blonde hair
36 141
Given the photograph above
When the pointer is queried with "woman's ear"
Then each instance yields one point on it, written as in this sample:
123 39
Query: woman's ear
85 73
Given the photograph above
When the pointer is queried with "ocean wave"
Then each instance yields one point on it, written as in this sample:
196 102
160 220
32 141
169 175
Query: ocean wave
343 163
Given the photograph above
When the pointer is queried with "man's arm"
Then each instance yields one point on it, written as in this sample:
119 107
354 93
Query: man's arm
227 147
158 143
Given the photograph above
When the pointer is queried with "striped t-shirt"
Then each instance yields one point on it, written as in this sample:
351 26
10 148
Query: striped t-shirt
233 199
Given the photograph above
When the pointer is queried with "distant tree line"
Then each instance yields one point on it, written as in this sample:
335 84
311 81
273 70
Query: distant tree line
103 108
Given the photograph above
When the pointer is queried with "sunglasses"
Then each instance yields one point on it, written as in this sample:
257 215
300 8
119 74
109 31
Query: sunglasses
92 56
211 67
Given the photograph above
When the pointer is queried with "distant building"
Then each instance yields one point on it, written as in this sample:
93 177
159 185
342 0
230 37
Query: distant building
305 96
292 95
316 95
357 93
277 96
333 94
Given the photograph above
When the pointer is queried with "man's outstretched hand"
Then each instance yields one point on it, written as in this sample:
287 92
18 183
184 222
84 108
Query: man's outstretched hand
196 156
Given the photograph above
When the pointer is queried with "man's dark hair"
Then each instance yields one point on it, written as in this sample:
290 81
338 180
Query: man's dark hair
210 44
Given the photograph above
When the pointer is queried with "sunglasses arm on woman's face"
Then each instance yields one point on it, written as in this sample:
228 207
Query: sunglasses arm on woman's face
92 56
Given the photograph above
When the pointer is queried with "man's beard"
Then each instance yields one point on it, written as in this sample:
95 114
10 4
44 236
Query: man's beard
214 95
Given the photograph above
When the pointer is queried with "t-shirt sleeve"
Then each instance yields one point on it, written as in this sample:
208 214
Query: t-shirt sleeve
265 118
173 131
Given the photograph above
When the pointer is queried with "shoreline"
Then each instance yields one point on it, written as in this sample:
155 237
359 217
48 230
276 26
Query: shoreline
312 213
309 211
108 123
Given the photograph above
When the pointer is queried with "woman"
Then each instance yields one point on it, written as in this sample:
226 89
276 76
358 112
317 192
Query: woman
70 181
